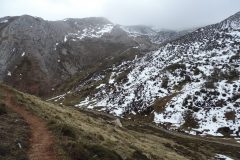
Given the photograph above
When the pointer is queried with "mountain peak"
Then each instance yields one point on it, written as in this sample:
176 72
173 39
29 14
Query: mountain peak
29 17
91 20
232 22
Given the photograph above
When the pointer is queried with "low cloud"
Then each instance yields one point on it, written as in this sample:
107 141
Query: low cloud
170 14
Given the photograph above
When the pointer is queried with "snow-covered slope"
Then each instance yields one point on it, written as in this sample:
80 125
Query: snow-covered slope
88 28
139 30
191 84
154 34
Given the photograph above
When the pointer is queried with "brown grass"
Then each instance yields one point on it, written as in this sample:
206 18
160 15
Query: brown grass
76 130
159 104
230 115
14 134
88 135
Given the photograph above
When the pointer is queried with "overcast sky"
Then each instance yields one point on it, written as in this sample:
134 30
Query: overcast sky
169 14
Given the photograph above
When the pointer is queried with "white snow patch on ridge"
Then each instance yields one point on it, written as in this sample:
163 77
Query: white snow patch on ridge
4 21
223 157
90 32
9 73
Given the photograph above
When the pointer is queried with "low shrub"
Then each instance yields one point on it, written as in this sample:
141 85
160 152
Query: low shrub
63 130
139 155
79 151
4 150
165 82
190 121
98 153
175 66
3 109
210 85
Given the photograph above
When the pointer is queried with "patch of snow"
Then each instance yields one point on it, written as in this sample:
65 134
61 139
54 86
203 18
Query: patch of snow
111 79
9 73
145 76
65 38
223 157
100 86
4 21
23 54
57 98
90 32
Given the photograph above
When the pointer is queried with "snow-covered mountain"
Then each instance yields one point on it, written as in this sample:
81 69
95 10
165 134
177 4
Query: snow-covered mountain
37 55
190 84
154 34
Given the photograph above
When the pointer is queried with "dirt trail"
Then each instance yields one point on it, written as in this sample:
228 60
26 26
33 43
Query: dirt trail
41 142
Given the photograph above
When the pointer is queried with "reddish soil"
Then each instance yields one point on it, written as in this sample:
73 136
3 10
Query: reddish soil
42 141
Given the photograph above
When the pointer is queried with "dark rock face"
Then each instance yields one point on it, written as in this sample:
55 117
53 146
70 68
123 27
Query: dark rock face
36 55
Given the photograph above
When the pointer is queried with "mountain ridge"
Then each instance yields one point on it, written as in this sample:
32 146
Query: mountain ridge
50 52
190 83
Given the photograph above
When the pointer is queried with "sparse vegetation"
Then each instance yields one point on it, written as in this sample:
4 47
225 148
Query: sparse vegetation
229 75
226 131
122 77
3 109
5 150
66 131
165 82
79 151
159 104
182 83
100 67
230 115
233 74
97 136
190 121
175 66
196 71
210 85
90 135
14 132
235 57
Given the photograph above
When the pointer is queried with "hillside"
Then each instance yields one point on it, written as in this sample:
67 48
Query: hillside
38 55
94 135
117 92
190 84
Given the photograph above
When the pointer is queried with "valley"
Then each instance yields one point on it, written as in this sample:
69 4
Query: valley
89 89
95 135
